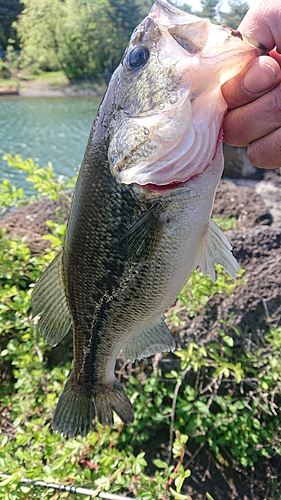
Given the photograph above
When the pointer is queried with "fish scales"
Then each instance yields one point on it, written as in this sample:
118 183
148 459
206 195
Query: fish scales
140 218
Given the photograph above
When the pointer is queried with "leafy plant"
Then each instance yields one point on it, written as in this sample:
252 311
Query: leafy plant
43 180
226 224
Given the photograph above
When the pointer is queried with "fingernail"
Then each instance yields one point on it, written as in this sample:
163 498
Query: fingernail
259 77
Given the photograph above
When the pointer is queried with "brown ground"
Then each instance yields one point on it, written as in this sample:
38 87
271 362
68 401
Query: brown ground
257 246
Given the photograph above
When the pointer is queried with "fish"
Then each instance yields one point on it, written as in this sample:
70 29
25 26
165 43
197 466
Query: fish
140 221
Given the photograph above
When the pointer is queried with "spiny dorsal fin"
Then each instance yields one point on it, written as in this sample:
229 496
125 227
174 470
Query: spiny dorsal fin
156 338
142 238
216 249
49 301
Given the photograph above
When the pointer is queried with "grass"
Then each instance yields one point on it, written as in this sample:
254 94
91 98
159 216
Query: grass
49 79
8 82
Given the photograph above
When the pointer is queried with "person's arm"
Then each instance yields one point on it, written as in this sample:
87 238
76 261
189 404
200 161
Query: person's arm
254 96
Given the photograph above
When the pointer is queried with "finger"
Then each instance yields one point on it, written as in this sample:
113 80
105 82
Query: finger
266 152
276 56
255 120
262 23
259 76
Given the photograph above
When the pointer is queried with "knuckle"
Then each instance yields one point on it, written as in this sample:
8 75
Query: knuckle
276 102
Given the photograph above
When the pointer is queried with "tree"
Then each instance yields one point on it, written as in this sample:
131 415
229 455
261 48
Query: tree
89 39
237 11
187 8
9 10
210 9
40 27
125 15
73 35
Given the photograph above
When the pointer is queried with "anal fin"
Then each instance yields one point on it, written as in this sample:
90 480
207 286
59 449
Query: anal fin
216 249
49 301
156 338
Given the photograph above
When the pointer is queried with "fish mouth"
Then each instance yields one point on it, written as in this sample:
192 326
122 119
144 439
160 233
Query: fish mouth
172 186
154 188
176 184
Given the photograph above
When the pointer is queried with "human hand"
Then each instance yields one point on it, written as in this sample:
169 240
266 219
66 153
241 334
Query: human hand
254 96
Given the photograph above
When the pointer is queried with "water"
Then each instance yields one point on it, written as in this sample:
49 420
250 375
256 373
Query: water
45 129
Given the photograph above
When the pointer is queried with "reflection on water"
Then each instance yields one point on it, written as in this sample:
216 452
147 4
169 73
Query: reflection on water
46 129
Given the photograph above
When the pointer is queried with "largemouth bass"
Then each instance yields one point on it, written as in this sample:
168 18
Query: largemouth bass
140 219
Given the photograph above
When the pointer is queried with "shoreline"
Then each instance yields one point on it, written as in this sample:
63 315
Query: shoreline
35 88
71 91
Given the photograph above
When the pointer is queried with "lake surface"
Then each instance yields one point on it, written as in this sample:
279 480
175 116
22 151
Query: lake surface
45 129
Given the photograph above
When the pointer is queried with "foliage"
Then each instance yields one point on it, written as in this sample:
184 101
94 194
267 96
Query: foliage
210 9
236 11
241 424
43 179
12 58
88 39
223 398
226 224
125 15
40 29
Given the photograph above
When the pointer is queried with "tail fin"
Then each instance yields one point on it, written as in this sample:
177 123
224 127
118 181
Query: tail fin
111 398
74 412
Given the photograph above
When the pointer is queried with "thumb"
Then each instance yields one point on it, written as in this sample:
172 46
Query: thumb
259 76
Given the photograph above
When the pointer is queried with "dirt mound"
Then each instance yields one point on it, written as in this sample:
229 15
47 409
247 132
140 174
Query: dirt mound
29 221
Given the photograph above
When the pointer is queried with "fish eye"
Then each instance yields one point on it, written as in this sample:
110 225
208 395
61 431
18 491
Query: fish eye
137 57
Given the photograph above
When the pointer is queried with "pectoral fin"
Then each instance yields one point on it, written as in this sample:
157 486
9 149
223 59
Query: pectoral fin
216 249
156 338
142 238
50 302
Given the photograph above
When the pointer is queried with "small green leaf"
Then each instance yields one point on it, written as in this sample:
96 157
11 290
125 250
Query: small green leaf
209 497
160 464
202 407
179 496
